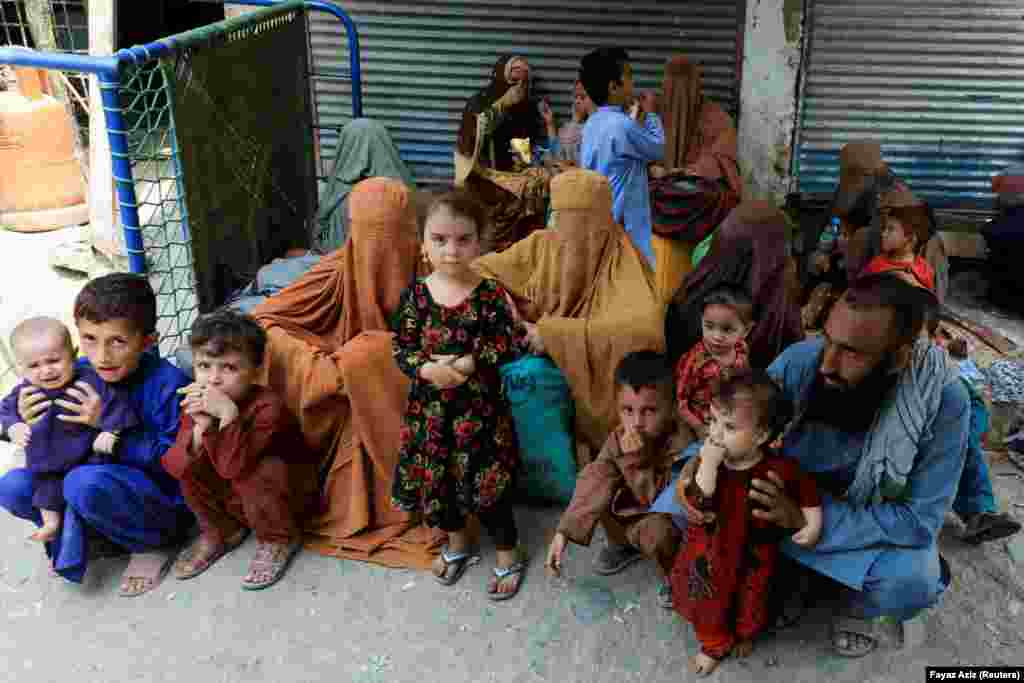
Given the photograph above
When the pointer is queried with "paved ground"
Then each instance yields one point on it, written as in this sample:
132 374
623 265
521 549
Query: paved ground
345 621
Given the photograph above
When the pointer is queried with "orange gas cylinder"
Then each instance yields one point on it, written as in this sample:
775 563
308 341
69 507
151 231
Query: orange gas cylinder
41 183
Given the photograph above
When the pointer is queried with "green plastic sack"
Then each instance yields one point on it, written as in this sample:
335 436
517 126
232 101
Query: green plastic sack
701 250
543 412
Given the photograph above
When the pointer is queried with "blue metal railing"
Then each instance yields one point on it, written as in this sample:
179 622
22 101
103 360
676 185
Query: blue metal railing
109 71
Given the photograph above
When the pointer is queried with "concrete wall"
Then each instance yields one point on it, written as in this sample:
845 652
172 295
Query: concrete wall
771 67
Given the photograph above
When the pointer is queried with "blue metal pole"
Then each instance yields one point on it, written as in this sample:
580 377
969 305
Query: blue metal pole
66 61
353 52
110 92
355 69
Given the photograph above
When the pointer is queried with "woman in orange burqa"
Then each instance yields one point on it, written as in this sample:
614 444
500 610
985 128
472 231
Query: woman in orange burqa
329 354
698 183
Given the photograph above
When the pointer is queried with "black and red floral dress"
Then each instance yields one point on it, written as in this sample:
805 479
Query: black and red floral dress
458 445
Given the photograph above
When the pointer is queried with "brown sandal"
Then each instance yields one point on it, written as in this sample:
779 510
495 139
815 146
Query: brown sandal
202 554
271 559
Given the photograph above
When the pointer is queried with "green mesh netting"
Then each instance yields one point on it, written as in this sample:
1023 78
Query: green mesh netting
243 124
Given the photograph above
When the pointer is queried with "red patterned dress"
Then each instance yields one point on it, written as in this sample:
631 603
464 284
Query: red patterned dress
458 445
696 375
720 579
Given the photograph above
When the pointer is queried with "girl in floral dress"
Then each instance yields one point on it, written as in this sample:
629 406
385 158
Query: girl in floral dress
459 453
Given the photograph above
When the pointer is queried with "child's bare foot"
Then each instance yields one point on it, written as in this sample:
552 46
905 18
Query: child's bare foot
50 528
743 648
703 665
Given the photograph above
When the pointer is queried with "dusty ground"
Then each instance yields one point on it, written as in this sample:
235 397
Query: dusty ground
345 621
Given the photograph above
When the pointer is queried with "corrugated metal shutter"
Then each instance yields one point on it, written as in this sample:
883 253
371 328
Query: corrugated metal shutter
422 61
940 83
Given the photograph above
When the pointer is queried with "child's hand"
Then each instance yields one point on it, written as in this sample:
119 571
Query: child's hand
693 515
32 405
712 452
534 339
810 534
87 407
442 376
465 365
634 110
105 443
553 563
20 434
209 400
631 441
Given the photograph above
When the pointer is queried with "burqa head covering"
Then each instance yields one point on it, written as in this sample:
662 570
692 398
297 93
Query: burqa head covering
748 251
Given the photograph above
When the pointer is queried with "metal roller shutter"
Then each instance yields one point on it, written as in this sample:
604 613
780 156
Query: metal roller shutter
940 83
422 61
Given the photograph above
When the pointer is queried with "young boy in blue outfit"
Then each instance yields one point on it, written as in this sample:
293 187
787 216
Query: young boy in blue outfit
619 147
130 501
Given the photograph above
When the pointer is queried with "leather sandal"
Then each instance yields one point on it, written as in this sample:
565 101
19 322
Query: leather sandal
200 556
854 638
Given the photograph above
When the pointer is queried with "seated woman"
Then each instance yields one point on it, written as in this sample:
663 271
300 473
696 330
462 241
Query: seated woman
587 295
748 251
863 178
364 150
699 183
329 355
485 163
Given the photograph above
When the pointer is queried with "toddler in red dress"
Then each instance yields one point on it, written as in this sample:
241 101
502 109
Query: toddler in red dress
721 577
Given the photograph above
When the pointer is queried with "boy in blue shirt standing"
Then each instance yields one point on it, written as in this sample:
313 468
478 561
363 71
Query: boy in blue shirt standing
619 147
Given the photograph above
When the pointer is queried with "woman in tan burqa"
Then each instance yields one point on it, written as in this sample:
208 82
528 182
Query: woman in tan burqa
701 146
586 294
329 354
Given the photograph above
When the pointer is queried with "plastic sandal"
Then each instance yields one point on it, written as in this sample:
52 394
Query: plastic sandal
502 573
461 562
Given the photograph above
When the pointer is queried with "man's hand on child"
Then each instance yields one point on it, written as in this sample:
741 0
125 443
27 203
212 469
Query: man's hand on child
553 563
775 505
32 405
87 408
105 443
20 434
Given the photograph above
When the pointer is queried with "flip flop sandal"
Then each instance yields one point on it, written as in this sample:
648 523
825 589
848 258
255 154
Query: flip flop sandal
855 638
989 526
273 559
146 568
460 561
502 573
182 572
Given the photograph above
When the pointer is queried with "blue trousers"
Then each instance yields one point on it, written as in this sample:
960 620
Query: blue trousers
974 494
130 507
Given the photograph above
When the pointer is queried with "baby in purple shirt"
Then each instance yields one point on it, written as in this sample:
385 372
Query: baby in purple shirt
45 359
